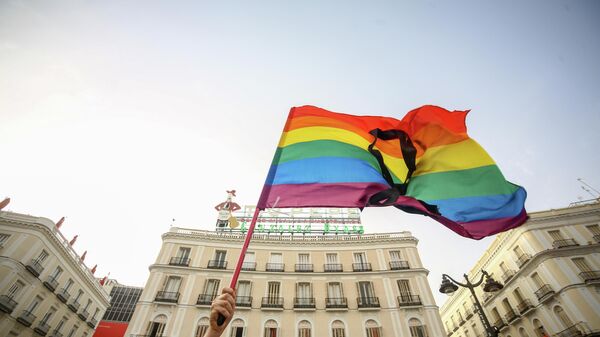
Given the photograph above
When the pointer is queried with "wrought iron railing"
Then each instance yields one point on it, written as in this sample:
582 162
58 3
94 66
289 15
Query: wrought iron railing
304 302
333 267
83 315
577 330
590 276
510 316
399 265
365 266
274 266
205 299
544 292
304 267
336 302
407 300
7 304
524 306
74 306
42 328
522 259
26 318
34 267
63 295
167 296
272 302
217 264
179 261
51 283
249 266
243 301
507 275
368 302
564 243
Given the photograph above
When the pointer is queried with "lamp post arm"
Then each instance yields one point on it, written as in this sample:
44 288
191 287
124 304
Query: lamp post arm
476 284
468 285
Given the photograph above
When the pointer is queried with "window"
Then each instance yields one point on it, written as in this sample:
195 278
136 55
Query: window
303 259
271 329
539 329
365 289
338 329
15 289
157 326
73 330
56 273
537 280
89 302
416 328
244 289
581 264
304 295
594 229
3 239
183 253
373 329
563 317
211 289
395 255
68 285
237 328
249 261
503 267
518 251
95 313
220 255
172 284
34 304
60 324
404 287
43 255
360 258
556 235
273 292
518 295
202 327
276 258
304 329
47 316
79 293
475 331
332 258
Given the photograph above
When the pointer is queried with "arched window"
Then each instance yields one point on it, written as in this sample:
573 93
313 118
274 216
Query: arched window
338 329
157 326
539 328
373 329
563 317
416 328
202 327
304 329
237 328
271 328
523 333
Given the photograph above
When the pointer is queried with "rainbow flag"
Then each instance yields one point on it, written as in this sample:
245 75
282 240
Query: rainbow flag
425 164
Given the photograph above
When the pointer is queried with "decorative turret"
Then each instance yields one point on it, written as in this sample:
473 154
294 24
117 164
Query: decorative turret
226 209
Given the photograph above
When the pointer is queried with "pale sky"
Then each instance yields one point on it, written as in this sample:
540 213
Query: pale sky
122 115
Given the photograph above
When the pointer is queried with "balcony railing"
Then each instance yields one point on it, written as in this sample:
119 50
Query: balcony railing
92 323
361 266
249 266
510 316
564 243
275 266
545 291
597 238
63 295
34 267
243 301
51 283
499 324
83 315
461 321
508 275
217 264
577 330
167 296
7 304
42 328
333 267
406 300
336 303
590 276
56 333
399 265
368 302
179 261
26 318
74 306
205 299
272 302
522 259
468 313
304 302
524 306
304 267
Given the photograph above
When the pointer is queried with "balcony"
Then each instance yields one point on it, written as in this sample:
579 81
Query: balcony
83 315
179 261
51 283
507 275
524 306
304 267
590 277
407 300
42 328
544 292
499 324
205 299
468 313
336 303
26 318
367 302
217 264
55 333
564 243
510 316
63 295
92 323
399 265
272 303
580 329
74 306
275 267
35 268
304 302
333 267
597 238
249 266
167 296
522 259
361 267
7 304
243 301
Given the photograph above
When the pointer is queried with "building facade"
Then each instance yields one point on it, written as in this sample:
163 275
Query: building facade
122 304
307 273
550 269
45 288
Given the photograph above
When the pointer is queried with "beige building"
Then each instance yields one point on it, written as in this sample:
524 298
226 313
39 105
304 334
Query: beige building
45 288
550 268
328 278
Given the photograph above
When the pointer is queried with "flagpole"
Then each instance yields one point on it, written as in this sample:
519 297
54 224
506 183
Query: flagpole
240 262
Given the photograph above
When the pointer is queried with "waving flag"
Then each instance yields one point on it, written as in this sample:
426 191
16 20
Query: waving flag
425 164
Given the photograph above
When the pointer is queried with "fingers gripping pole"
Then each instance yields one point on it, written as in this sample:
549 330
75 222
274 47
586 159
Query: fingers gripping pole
240 262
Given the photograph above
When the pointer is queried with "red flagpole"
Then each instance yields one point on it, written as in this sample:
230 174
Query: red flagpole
240 262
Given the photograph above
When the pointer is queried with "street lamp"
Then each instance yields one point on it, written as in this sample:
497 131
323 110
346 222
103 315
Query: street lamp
449 285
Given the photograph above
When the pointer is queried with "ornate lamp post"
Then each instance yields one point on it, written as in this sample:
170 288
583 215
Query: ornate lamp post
449 285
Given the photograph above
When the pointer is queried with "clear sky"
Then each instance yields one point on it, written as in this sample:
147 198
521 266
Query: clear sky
122 115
